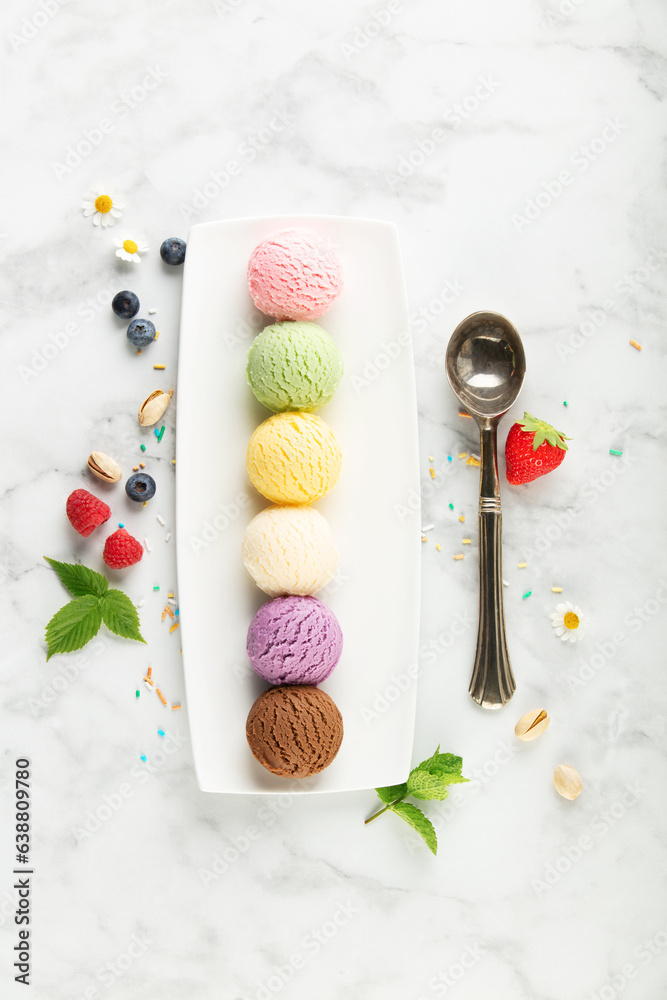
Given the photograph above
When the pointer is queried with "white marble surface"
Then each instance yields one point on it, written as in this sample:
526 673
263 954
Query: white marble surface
335 103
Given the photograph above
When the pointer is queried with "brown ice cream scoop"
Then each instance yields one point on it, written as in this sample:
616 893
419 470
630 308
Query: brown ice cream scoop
294 731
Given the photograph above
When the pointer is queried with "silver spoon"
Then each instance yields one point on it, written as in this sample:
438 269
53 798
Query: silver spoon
486 367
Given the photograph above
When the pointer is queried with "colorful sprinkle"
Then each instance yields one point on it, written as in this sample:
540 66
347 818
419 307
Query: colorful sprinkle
461 518
465 541
521 565
159 368
160 732
612 451
460 556
463 454
556 590
431 458
527 594
451 506
135 468
170 594
438 546
432 471
143 757
120 524
636 345
158 434
176 705
161 696
137 693
142 465
149 672
424 538
157 334
449 458
473 461
174 627
143 447
156 587
169 612
565 403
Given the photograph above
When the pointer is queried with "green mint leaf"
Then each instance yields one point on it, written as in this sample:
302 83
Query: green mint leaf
74 625
79 580
120 615
431 778
415 818
392 792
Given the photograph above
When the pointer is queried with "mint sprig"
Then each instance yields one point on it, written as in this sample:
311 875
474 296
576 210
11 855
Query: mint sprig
79 620
429 780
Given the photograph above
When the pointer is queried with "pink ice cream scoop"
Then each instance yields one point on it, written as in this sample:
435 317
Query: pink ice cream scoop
294 275
294 640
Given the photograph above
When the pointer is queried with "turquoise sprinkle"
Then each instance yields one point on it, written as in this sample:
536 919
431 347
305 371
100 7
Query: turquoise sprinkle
449 458
120 524
159 433
612 451
143 757
160 732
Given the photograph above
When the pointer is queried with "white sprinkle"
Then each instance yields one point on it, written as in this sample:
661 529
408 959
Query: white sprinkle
505 583
141 603
151 312
167 536
170 600
476 457
428 527
149 686
148 548
160 520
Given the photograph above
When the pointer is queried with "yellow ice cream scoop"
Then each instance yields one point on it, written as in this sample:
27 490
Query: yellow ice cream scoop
293 458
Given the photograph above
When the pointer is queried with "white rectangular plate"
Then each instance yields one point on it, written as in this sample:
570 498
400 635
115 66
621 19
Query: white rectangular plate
375 593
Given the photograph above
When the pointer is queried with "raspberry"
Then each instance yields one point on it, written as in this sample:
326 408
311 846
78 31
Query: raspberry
121 550
86 512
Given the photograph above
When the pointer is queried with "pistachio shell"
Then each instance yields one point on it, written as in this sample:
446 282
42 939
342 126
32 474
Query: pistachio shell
532 724
568 783
153 408
104 467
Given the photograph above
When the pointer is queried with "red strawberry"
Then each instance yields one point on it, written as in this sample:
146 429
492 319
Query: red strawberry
86 512
533 448
121 550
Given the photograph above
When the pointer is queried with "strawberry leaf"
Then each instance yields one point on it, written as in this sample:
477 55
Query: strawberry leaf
543 432
74 625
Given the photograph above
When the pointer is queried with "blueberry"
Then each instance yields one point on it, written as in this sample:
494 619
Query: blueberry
141 332
140 486
125 304
172 251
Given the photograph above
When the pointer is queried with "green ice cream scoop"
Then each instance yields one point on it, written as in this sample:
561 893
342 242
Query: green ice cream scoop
294 366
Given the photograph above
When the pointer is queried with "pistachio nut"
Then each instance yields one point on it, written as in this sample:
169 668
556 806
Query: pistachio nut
152 408
532 724
104 467
567 781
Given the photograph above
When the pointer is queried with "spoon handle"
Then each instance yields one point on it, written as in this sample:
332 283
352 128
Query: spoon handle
492 683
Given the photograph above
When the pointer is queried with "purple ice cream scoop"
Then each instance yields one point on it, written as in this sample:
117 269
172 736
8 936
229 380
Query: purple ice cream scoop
294 640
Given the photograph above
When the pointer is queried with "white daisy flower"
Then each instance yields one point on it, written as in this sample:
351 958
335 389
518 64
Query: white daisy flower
100 202
569 622
131 248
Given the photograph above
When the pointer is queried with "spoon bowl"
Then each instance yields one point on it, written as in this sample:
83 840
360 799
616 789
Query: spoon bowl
486 365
